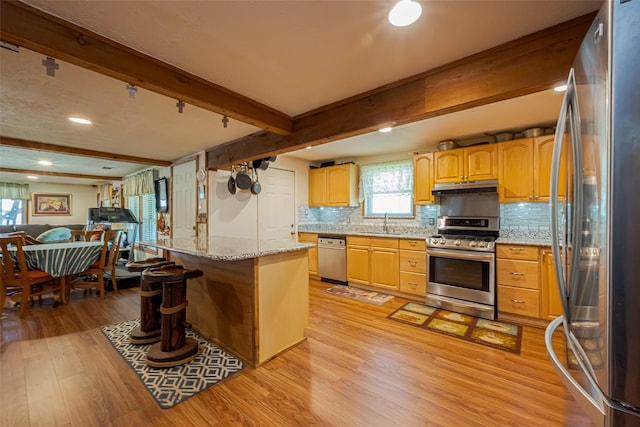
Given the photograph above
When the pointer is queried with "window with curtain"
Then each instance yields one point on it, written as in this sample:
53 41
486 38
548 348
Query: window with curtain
141 200
13 203
387 189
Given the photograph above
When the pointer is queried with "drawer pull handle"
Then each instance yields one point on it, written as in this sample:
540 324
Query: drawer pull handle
518 301
516 249
515 273
412 243
414 284
412 263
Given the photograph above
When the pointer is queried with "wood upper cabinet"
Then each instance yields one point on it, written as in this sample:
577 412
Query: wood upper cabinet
373 261
422 178
317 187
312 252
551 303
542 156
515 170
525 169
333 186
466 164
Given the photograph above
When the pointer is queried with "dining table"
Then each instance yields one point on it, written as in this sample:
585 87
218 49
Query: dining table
62 259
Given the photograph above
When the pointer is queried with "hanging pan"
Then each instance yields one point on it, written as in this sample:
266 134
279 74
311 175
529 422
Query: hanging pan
231 184
256 187
243 179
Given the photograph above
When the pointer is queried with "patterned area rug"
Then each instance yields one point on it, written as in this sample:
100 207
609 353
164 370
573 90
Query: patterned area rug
358 294
170 386
491 333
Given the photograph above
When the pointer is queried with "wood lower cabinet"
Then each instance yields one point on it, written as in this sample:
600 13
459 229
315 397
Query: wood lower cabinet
373 261
312 252
551 303
518 280
413 267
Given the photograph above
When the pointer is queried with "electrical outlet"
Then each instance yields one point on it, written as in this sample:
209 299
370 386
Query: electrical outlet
432 221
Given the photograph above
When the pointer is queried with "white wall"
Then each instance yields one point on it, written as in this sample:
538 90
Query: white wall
237 215
83 197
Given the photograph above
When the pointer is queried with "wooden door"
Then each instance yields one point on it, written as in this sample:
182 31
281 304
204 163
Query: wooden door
358 264
422 178
385 267
481 162
448 165
317 187
515 170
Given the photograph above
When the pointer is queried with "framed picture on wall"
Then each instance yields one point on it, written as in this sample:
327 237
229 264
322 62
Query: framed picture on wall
51 204
116 196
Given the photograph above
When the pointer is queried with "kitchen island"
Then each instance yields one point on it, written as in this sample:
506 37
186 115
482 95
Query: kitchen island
253 298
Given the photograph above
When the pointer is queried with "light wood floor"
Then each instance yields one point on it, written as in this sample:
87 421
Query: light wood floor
357 368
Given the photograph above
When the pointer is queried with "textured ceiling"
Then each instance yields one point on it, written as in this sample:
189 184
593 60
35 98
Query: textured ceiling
293 56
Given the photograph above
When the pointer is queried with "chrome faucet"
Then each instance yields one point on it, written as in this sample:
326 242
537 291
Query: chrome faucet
385 224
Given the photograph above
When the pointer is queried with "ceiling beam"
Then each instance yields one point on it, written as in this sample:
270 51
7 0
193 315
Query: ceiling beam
523 66
61 174
61 149
33 29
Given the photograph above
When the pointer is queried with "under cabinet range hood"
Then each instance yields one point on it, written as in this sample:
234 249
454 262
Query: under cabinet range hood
465 187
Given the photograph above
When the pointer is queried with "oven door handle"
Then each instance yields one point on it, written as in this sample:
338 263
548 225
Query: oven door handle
480 256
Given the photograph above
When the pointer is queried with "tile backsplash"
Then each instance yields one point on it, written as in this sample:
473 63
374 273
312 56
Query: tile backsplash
516 220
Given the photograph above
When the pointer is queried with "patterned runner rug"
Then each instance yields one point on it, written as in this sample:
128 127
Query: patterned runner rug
170 386
358 294
492 333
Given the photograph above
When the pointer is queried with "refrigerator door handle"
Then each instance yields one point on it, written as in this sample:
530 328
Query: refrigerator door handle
595 410
553 192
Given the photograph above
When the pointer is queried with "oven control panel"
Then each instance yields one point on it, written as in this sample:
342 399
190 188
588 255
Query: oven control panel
483 244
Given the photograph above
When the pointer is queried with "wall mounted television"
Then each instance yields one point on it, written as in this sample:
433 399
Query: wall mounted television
162 194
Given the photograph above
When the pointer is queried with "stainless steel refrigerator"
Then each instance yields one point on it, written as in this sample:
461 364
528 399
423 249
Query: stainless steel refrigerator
595 221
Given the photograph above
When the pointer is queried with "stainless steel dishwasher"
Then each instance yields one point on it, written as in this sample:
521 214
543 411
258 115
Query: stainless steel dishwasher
332 259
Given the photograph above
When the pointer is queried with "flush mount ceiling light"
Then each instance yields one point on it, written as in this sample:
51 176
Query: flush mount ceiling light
404 13
44 162
385 129
80 120
560 88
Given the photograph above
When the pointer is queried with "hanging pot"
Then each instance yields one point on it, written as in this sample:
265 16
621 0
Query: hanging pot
231 184
272 158
256 187
243 179
261 164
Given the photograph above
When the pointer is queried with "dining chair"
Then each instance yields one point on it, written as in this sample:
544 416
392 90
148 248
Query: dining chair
93 277
112 257
86 235
17 277
26 239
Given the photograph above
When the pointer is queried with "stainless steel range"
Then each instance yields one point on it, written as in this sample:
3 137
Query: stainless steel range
461 258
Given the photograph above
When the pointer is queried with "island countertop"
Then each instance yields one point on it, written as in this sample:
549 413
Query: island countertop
227 248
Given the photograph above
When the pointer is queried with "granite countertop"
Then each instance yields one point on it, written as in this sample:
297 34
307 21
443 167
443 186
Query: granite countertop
227 248
393 234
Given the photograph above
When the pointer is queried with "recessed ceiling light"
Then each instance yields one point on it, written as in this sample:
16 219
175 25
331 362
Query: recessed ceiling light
32 177
385 130
44 162
560 88
404 13
80 120
309 148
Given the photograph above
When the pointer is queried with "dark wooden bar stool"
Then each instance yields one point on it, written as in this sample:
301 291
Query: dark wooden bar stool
150 301
174 348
